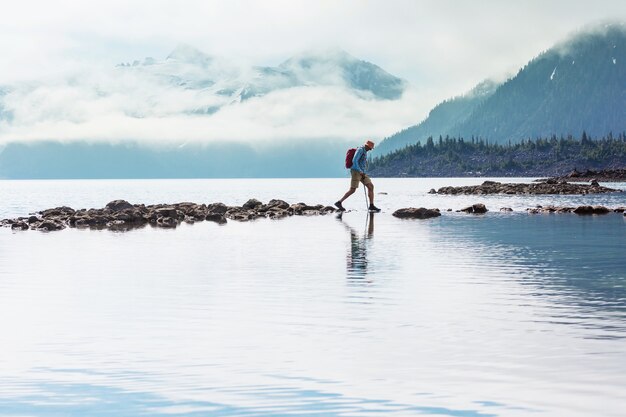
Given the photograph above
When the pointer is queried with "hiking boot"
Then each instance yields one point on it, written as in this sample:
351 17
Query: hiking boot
373 209
339 206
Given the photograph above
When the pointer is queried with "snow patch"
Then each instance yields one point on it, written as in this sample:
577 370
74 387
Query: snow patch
614 61
553 73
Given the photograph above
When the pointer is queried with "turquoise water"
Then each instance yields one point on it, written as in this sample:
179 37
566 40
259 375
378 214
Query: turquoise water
505 314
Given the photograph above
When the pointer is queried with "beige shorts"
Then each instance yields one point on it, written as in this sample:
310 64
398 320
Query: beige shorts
358 177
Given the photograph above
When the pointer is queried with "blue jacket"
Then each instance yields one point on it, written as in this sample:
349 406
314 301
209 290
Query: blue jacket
359 162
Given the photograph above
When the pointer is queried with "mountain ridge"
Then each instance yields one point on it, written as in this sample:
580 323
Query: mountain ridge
576 85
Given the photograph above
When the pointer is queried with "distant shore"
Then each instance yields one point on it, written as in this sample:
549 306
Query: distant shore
603 175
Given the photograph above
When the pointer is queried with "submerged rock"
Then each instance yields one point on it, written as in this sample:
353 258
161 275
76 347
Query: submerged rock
580 210
586 210
478 208
19 225
216 217
416 213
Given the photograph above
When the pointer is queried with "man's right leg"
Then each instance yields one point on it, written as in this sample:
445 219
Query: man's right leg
346 195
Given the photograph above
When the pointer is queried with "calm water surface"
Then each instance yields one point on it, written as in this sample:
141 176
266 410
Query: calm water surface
495 315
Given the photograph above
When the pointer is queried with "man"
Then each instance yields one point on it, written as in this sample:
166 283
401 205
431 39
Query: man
357 173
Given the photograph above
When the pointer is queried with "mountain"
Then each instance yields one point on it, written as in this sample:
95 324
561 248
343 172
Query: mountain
338 66
440 119
190 68
579 84
193 115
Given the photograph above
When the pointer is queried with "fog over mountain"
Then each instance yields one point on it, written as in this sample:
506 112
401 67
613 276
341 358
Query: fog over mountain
191 114
190 96
577 85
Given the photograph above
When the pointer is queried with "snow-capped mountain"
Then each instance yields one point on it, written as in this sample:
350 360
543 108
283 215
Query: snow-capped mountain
187 67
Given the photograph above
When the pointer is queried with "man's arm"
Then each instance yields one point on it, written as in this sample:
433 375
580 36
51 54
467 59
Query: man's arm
357 158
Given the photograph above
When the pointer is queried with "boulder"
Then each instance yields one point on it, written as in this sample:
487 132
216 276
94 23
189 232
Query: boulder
588 210
216 217
432 191
58 211
583 210
20 226
252 204
170 212
278 204
118 205
506 209
49 226
594 183
167 222
601 210
478 208
416 213
216 208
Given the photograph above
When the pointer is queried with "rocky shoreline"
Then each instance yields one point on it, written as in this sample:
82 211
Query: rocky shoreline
121 215
604 175
546 187
479 208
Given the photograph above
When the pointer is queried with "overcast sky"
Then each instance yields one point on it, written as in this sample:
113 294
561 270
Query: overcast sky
442 47
447 44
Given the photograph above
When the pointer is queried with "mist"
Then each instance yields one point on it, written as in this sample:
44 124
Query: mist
181 100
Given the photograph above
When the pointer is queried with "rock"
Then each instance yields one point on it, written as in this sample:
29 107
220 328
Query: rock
252 204
601 210
119 205
57 211
506 209
620 209
166 222
432 191
478 208
551 181
416 213
216 217
49 226
217 208
594 183
33 219
546 187
587 210
279 204
19 226
170 212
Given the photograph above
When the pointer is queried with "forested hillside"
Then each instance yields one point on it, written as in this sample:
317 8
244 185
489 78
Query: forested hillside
577 85
458 157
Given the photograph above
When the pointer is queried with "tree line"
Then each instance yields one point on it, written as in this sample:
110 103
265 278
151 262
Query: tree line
457 156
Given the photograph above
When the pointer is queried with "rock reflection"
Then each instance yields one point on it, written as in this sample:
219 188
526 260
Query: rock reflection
356 258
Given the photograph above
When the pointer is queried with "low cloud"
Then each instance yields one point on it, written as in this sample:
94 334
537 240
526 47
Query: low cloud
122 104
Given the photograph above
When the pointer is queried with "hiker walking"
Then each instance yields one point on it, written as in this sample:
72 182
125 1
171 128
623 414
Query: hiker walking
357 167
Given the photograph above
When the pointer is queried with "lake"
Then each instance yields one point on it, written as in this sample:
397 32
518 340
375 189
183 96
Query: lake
502 314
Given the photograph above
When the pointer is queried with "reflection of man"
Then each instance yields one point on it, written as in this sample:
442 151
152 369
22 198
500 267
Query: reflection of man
356 259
